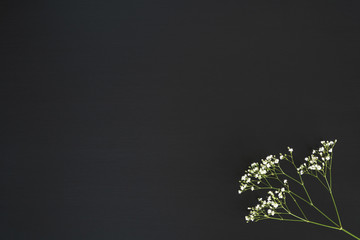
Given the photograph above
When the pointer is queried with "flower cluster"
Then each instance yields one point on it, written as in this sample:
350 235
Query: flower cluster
318 160
267 208
258 171
281 200
259 174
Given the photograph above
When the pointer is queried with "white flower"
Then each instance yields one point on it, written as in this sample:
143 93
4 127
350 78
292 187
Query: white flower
318 160
265 208
271 212
256 176
315 167
258 171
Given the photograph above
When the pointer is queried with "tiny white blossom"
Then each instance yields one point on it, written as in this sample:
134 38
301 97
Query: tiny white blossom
257 175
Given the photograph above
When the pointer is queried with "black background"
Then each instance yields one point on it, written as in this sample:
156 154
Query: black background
135 119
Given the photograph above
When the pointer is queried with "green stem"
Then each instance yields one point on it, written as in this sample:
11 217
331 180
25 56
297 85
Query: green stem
298 206
350 234
317 209
307 221
303 185
302 212
302 182
300 197
316 223
268 182
267 188
309 203
323 225
282 173
325 215
284 219
333 200
321 182
331 158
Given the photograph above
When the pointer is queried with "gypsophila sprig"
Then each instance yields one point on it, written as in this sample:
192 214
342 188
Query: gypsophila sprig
258 172
268 175
319 162
267 208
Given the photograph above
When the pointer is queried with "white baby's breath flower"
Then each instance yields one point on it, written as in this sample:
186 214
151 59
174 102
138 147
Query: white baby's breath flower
262 174
318 160
258 171
265 208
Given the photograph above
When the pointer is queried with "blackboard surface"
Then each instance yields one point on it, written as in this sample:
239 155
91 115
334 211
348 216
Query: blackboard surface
135 119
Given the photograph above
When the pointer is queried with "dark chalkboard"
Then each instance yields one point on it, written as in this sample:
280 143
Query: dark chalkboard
135 119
